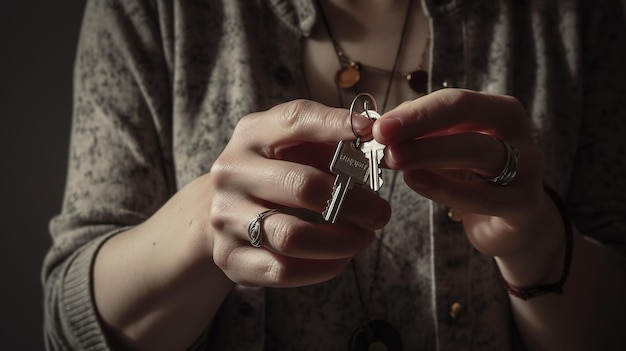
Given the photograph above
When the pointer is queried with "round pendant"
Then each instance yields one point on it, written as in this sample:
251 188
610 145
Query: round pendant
347 77
376 335
418 81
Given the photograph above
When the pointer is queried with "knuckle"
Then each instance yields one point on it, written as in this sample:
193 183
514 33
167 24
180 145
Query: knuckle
246 123
454 96
297 183
292 113
295 113
289 118
218 219
246 129
281 237
222 172
284 235
277 273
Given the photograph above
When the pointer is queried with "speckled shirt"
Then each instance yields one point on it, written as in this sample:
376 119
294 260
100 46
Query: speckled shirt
159 86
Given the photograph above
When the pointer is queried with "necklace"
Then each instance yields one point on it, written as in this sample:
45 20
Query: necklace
374 334
377 334
349 74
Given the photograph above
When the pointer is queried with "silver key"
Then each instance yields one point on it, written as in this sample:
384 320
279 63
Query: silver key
374 152
351 166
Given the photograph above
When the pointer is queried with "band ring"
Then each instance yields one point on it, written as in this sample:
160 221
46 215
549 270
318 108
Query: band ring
255 231
510 168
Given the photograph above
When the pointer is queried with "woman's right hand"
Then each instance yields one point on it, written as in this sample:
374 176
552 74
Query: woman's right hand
159 284
279 159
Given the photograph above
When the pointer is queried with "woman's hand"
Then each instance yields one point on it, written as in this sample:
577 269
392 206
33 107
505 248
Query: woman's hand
279 159
159 284
447 143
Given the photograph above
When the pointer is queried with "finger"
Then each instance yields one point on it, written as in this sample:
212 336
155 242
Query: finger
312 154
451 111
475 152
297 186
250 266
290 235
299 121
469 192
364 208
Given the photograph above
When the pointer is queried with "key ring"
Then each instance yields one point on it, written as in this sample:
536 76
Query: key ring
367 98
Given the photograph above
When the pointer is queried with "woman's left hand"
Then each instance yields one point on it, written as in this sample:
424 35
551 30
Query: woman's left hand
449 142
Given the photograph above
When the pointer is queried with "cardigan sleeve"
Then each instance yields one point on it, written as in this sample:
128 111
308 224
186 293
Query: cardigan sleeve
597 194
119 169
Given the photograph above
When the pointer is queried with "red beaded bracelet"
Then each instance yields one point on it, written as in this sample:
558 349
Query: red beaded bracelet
554 288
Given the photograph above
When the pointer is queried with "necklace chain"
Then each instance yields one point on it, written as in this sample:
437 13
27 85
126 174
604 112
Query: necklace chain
380 239
344 61
417 79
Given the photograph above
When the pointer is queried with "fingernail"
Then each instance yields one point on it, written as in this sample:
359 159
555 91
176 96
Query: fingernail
362 125
390 128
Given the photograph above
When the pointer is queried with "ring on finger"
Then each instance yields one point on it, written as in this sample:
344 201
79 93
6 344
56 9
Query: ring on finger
255 228
510 167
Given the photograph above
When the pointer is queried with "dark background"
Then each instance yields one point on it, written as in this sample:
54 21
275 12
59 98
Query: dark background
38 40
37 44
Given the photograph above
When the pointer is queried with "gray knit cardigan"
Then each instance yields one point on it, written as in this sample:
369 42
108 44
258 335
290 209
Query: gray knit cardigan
160 84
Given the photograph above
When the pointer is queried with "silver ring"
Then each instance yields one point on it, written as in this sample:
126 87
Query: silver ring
255 231
510 168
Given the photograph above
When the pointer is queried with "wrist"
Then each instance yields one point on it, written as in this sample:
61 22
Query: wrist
545 266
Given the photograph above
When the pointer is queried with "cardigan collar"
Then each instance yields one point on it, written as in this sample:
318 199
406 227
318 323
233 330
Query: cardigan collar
300 15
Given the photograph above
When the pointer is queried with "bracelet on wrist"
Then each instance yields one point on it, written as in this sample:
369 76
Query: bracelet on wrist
553 288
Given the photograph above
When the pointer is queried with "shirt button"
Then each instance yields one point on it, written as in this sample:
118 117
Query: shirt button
446 83
455 310
455 215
